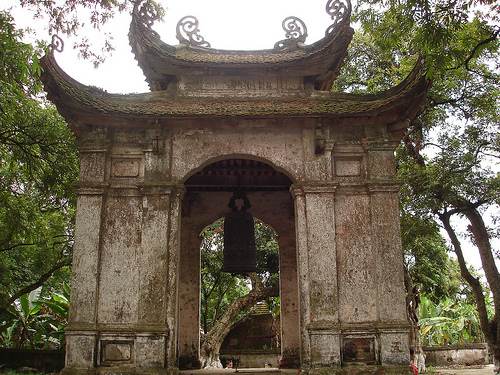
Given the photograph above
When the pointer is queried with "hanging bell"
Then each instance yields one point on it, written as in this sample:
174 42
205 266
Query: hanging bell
240 256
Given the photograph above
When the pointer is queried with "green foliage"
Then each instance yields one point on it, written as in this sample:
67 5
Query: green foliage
426 256
38 165
220 289
448 322
74 18
447 164
36 321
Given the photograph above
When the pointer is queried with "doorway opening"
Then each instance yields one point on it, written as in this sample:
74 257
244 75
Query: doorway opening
221 314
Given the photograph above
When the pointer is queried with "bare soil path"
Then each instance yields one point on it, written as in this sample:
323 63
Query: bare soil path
488 370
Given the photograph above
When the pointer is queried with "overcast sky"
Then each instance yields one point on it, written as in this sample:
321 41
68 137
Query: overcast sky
226 24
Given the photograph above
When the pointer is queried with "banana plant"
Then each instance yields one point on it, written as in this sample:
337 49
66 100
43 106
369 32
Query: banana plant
36 321
57 305
448 322
24 328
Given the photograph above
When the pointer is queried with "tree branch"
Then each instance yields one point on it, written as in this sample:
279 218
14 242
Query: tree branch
474 282
482 242
40 281
473 52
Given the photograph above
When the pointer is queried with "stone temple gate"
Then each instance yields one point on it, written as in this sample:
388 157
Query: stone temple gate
157 167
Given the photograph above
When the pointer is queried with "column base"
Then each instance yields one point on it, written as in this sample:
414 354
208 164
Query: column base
187 362
117 370
290 359
360 370
77 371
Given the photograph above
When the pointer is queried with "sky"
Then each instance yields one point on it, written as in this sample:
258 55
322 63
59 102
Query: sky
226 24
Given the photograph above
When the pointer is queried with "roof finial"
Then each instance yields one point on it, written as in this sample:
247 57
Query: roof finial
296 34
146 12
339 11
56 44
188 32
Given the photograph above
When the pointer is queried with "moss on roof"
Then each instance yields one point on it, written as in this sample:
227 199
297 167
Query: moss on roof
160 61
73 96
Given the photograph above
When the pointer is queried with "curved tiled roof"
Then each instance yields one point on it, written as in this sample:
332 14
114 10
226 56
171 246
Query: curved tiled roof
73 98
162 62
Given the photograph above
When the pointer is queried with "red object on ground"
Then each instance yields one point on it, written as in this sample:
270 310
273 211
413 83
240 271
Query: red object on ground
414 369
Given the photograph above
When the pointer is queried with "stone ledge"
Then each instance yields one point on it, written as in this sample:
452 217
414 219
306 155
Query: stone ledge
137 329
360 370
119 370
372 327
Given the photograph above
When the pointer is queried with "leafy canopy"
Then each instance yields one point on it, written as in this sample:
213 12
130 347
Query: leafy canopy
38 165
220 289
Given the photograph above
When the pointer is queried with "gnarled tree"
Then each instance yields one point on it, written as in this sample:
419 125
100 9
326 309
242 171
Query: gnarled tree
226 299
445 162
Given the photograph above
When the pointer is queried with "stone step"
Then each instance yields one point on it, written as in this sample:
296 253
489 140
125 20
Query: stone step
243 371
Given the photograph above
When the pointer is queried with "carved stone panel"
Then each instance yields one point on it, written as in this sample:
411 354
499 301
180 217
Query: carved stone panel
359 350
80 349
116 352
125 167
238 86
92 166
394 348
347 166
325 349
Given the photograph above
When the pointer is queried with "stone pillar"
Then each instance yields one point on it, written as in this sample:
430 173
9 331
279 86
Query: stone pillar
81 333
173 277
289 294
189 298
317 269
153 263
386 244
357 265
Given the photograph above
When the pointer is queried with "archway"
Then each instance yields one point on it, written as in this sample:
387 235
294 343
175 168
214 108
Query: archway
207 195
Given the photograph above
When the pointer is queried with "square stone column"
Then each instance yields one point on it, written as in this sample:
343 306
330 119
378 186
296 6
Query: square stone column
317 269
152 332
189 297
174 243
289 294
386 244
81 333
126 260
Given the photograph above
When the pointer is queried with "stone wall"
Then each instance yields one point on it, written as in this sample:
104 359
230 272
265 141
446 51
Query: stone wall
340 251
42 360
467 355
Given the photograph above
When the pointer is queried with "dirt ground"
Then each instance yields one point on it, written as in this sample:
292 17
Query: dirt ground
488 370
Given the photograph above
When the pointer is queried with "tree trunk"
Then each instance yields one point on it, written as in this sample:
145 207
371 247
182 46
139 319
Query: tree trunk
481 238
482 241
417 355
490 329
210 347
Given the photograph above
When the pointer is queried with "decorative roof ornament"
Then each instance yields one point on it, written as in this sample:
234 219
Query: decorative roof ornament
56 44
188 32
162 62
339 11
296 34
147 14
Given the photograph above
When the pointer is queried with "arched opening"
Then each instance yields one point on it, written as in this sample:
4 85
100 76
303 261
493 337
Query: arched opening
208 192
237 173
239 313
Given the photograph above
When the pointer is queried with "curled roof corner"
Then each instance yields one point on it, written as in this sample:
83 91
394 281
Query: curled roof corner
162 62
75 100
